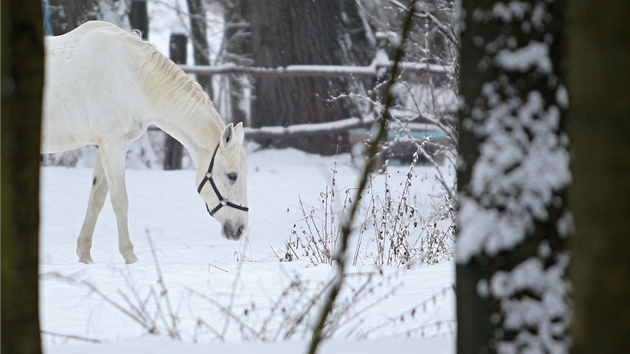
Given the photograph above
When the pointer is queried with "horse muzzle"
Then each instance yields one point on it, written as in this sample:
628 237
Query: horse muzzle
233 232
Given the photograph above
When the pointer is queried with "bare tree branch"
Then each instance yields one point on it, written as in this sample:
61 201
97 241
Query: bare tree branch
346 228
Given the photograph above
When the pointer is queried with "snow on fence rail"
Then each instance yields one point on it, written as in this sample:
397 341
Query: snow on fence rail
302 129
308 129
375 69
378 68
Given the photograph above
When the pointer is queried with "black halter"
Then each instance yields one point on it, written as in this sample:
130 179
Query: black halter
222 201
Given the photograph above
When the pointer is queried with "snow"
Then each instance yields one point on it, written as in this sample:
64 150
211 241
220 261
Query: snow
511 10
544 311
375 69
208 279
165 345
533 55
522 162
337 125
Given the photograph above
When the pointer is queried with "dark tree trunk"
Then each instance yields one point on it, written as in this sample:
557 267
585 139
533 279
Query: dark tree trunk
199 37
286 32
173 149
599 70
238 45
66 15
513 222
22 89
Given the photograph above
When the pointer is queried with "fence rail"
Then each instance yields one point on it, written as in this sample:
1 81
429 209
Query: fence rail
307 129
376 69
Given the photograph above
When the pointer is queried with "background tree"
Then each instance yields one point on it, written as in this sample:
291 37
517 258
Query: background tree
199 38
238 48
599 70
512 258
173 149
66 15
285 32
22 89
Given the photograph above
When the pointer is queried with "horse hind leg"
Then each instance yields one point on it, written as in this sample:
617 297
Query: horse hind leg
98 193
113 159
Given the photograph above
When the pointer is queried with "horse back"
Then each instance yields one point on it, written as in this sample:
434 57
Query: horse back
91 90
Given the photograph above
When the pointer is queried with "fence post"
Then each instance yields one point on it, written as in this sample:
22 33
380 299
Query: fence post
139 17
173 150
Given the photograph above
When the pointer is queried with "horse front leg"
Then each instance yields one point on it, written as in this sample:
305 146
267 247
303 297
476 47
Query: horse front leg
114 166
98 193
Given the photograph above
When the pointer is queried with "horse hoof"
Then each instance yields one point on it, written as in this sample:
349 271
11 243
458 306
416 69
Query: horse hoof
86 260
131 259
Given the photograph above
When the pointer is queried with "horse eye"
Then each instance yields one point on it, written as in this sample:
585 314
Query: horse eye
232 176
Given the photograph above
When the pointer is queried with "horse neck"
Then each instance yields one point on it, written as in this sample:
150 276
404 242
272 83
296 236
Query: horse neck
179 105
198 130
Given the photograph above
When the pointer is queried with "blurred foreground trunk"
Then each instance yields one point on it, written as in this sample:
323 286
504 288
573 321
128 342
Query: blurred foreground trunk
22 90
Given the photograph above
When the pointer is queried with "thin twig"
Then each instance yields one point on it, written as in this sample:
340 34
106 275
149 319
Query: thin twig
102 295
229 309
227 312
347 223
70 336
172 328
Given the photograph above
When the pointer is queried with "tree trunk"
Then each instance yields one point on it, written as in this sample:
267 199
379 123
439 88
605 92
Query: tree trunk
286 32
22 89
513 223
173 149
238 45
599 70
66 15
199 38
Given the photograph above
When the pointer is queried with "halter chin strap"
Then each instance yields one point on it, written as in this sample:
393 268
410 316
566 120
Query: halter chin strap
222 201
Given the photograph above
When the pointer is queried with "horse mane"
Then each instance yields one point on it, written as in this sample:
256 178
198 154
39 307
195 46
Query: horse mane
168 86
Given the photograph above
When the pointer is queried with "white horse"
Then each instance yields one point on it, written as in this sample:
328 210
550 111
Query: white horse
104 86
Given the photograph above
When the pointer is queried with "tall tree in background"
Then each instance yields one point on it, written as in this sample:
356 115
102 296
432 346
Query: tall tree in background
287 32
199 37
599 72
238 46
513 222
66 15
22 90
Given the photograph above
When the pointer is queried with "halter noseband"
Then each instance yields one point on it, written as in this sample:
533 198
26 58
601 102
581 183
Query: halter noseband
222 201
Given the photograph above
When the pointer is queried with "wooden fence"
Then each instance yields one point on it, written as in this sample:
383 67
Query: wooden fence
377 69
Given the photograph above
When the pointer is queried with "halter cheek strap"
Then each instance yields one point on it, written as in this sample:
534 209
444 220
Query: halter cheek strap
222 201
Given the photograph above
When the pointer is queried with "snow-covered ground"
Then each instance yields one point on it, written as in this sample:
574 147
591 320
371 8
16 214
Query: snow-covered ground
228 296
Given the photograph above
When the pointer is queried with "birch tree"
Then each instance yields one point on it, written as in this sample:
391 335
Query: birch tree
513 222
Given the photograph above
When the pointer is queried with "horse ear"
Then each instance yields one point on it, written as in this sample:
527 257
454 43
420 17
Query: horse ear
239 135
228 135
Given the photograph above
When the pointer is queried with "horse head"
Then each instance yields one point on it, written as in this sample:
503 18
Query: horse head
223 185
